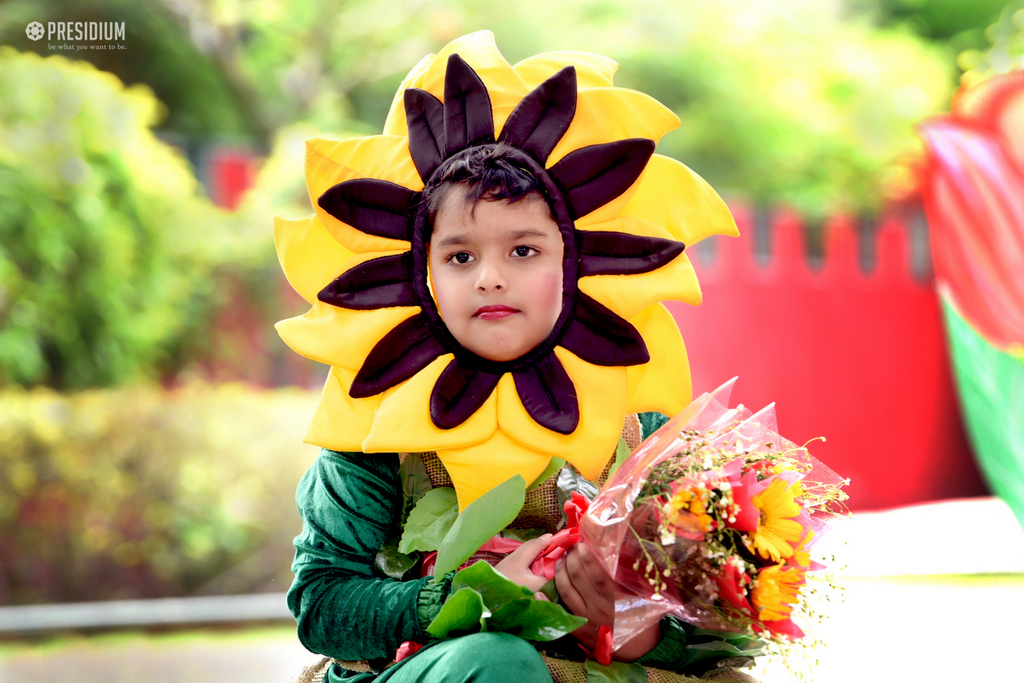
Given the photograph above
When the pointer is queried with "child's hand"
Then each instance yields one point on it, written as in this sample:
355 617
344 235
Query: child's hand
516 566
588 591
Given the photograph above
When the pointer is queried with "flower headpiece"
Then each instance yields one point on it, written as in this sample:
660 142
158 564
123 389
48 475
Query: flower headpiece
399 381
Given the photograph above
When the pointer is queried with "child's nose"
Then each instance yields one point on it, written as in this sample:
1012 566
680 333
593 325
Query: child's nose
490 277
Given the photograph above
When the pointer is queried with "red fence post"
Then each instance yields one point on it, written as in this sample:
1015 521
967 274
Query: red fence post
231 172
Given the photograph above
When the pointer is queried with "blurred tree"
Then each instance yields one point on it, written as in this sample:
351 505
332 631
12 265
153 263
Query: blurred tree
1004 50
106 247
956 22
199 97
805 102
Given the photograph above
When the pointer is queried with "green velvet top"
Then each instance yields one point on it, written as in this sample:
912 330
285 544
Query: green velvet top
344 608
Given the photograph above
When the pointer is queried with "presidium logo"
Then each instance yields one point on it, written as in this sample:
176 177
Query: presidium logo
78 31
35 31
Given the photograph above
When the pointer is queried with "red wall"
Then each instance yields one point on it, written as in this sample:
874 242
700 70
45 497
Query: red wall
860 359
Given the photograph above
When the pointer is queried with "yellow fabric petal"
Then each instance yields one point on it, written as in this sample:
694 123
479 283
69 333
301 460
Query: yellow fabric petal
627 295
339 336
602 395
592 71
609 114
403 421
329 163
673 196
342 422
663 383
504 86
309 256
395 124
478 469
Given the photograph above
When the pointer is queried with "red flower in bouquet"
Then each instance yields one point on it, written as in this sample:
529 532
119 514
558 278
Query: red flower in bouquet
744 515
734 586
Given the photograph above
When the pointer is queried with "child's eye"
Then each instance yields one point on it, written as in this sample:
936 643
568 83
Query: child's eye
523 251
460 257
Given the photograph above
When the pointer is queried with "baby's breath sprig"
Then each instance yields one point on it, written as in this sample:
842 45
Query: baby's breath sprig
655 571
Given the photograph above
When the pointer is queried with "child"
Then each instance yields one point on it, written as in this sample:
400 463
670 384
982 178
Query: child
478 319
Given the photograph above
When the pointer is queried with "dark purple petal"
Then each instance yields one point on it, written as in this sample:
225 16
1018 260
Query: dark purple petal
399 355
468 119
599 336
458 393
617 253
377 283
549 396
593 176
540 120
424 115
376 207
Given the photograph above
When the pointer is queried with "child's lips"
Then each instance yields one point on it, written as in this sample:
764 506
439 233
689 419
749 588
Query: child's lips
494 312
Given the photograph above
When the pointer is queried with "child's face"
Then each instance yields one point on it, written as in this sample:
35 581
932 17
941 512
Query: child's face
497 273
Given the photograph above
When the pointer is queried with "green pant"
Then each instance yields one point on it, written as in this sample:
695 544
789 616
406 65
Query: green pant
475 658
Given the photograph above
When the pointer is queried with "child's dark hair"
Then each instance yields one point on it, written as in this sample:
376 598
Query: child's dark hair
488 172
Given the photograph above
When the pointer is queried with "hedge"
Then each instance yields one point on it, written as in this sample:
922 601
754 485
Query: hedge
140 492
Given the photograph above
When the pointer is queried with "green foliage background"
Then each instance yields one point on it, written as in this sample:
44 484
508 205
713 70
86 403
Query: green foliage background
112 262
100 227
127 493
802 102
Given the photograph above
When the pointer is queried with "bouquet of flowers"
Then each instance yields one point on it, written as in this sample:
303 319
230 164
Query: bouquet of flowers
712 520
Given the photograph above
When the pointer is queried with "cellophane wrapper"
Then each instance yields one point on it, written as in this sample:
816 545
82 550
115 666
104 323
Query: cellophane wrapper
605 526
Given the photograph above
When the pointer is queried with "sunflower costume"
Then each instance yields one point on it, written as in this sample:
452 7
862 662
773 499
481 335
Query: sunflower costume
400 382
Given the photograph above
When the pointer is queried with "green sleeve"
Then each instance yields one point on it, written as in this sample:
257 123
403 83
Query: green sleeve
349 504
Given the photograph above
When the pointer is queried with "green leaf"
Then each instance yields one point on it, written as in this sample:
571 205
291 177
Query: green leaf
550 591
482 519
524 535
392 562
621 453
462 611
705 647
554 465
430 521
570 480
616 672
415 482
534 619
707 653
494 587
744 644
508 607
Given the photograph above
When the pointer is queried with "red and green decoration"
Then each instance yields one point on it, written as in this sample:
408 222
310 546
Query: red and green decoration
973 193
